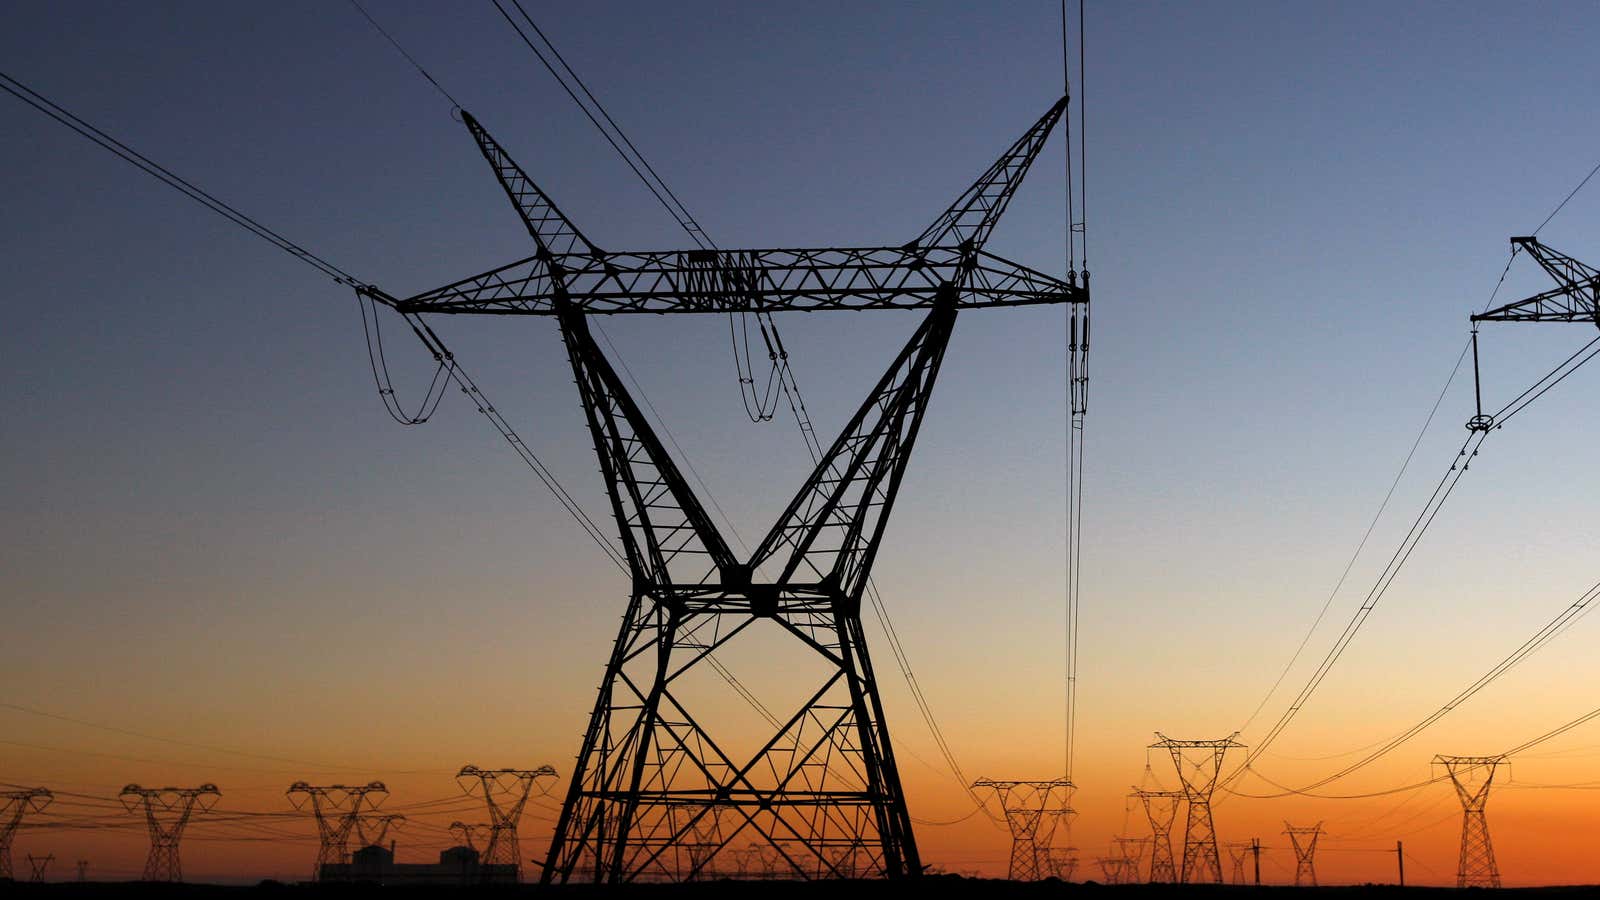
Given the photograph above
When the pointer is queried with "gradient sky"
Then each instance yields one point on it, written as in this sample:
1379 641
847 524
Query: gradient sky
213 533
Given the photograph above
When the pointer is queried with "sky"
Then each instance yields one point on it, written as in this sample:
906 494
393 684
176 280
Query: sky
224 562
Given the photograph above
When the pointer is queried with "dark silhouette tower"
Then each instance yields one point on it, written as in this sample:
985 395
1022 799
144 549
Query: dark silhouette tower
505 792
1034 809
338 809
1198 764
821 792
13 806
38 865
1161 809
1472 777
1304 841
167 812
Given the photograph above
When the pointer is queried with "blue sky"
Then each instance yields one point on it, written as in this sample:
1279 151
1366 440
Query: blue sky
1293 208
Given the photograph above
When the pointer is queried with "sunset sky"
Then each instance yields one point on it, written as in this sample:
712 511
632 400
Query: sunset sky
224 562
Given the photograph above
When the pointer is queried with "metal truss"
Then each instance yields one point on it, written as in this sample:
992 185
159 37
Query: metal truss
1472 777
1034 810
1237 851
371 830
338 809
38 865
657 794
13 806
1062 862
1198 764
1161 810
1576 297
167 812
1304 840
1131 849
505 792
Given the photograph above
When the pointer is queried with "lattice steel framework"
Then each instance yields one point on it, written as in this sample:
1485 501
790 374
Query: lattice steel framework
1161 810
1034 809
1131 849
505 792
1063 862
1198 764
822 794
167 812
471 834
338 809
372 830
13 806
1472 776
1237 851
1304 840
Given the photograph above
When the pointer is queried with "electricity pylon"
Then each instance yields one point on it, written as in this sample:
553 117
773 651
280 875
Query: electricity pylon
1472 777
372 829
505 792
826 777
1198 764
167 812
1063 862
1304 840
1033 810
1111 868
1237 851
1161 809
337 808
13 805
38 864
1131 849
470 834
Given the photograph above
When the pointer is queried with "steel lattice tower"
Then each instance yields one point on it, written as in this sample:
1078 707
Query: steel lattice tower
338 809
470 834
1063 862
825 782
1131 849
1198 764
167 812
1304 841
39 864
1472 776
13 806
1033 811
505 792
1161 809
372 829
1237 851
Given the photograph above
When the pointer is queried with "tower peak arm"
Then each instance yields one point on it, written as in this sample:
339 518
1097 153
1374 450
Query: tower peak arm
1576 297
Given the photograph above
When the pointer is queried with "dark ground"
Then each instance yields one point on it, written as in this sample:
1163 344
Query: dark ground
936 886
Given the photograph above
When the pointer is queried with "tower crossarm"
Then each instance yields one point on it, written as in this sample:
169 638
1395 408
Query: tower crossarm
552 232
1576 297
723 281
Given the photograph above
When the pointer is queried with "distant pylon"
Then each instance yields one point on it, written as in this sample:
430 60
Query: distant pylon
505 792
1237 851
337 808
83 870
1161 808
38 864
1132 852
372 830
1472 776
1033 810
470 834
1304 840
1110 868
1198 764
13 804
167 811
1063 862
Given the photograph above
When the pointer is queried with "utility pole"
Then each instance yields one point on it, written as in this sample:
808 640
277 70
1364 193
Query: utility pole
1400 860
1161 809
83 870
505 792
1472 777
826 776
1304 840
1255 849
13 805
337 808
1199 763
1033 810
167 812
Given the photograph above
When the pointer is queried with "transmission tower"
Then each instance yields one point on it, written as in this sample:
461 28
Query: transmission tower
1198 764
83 870
1304 841
372 830
167 811
1111 868
38 864
826 778
505 792
13 806
1033 810
1237 851
1131 849
1472 777
1063 862
1161 809
470 834
337 808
